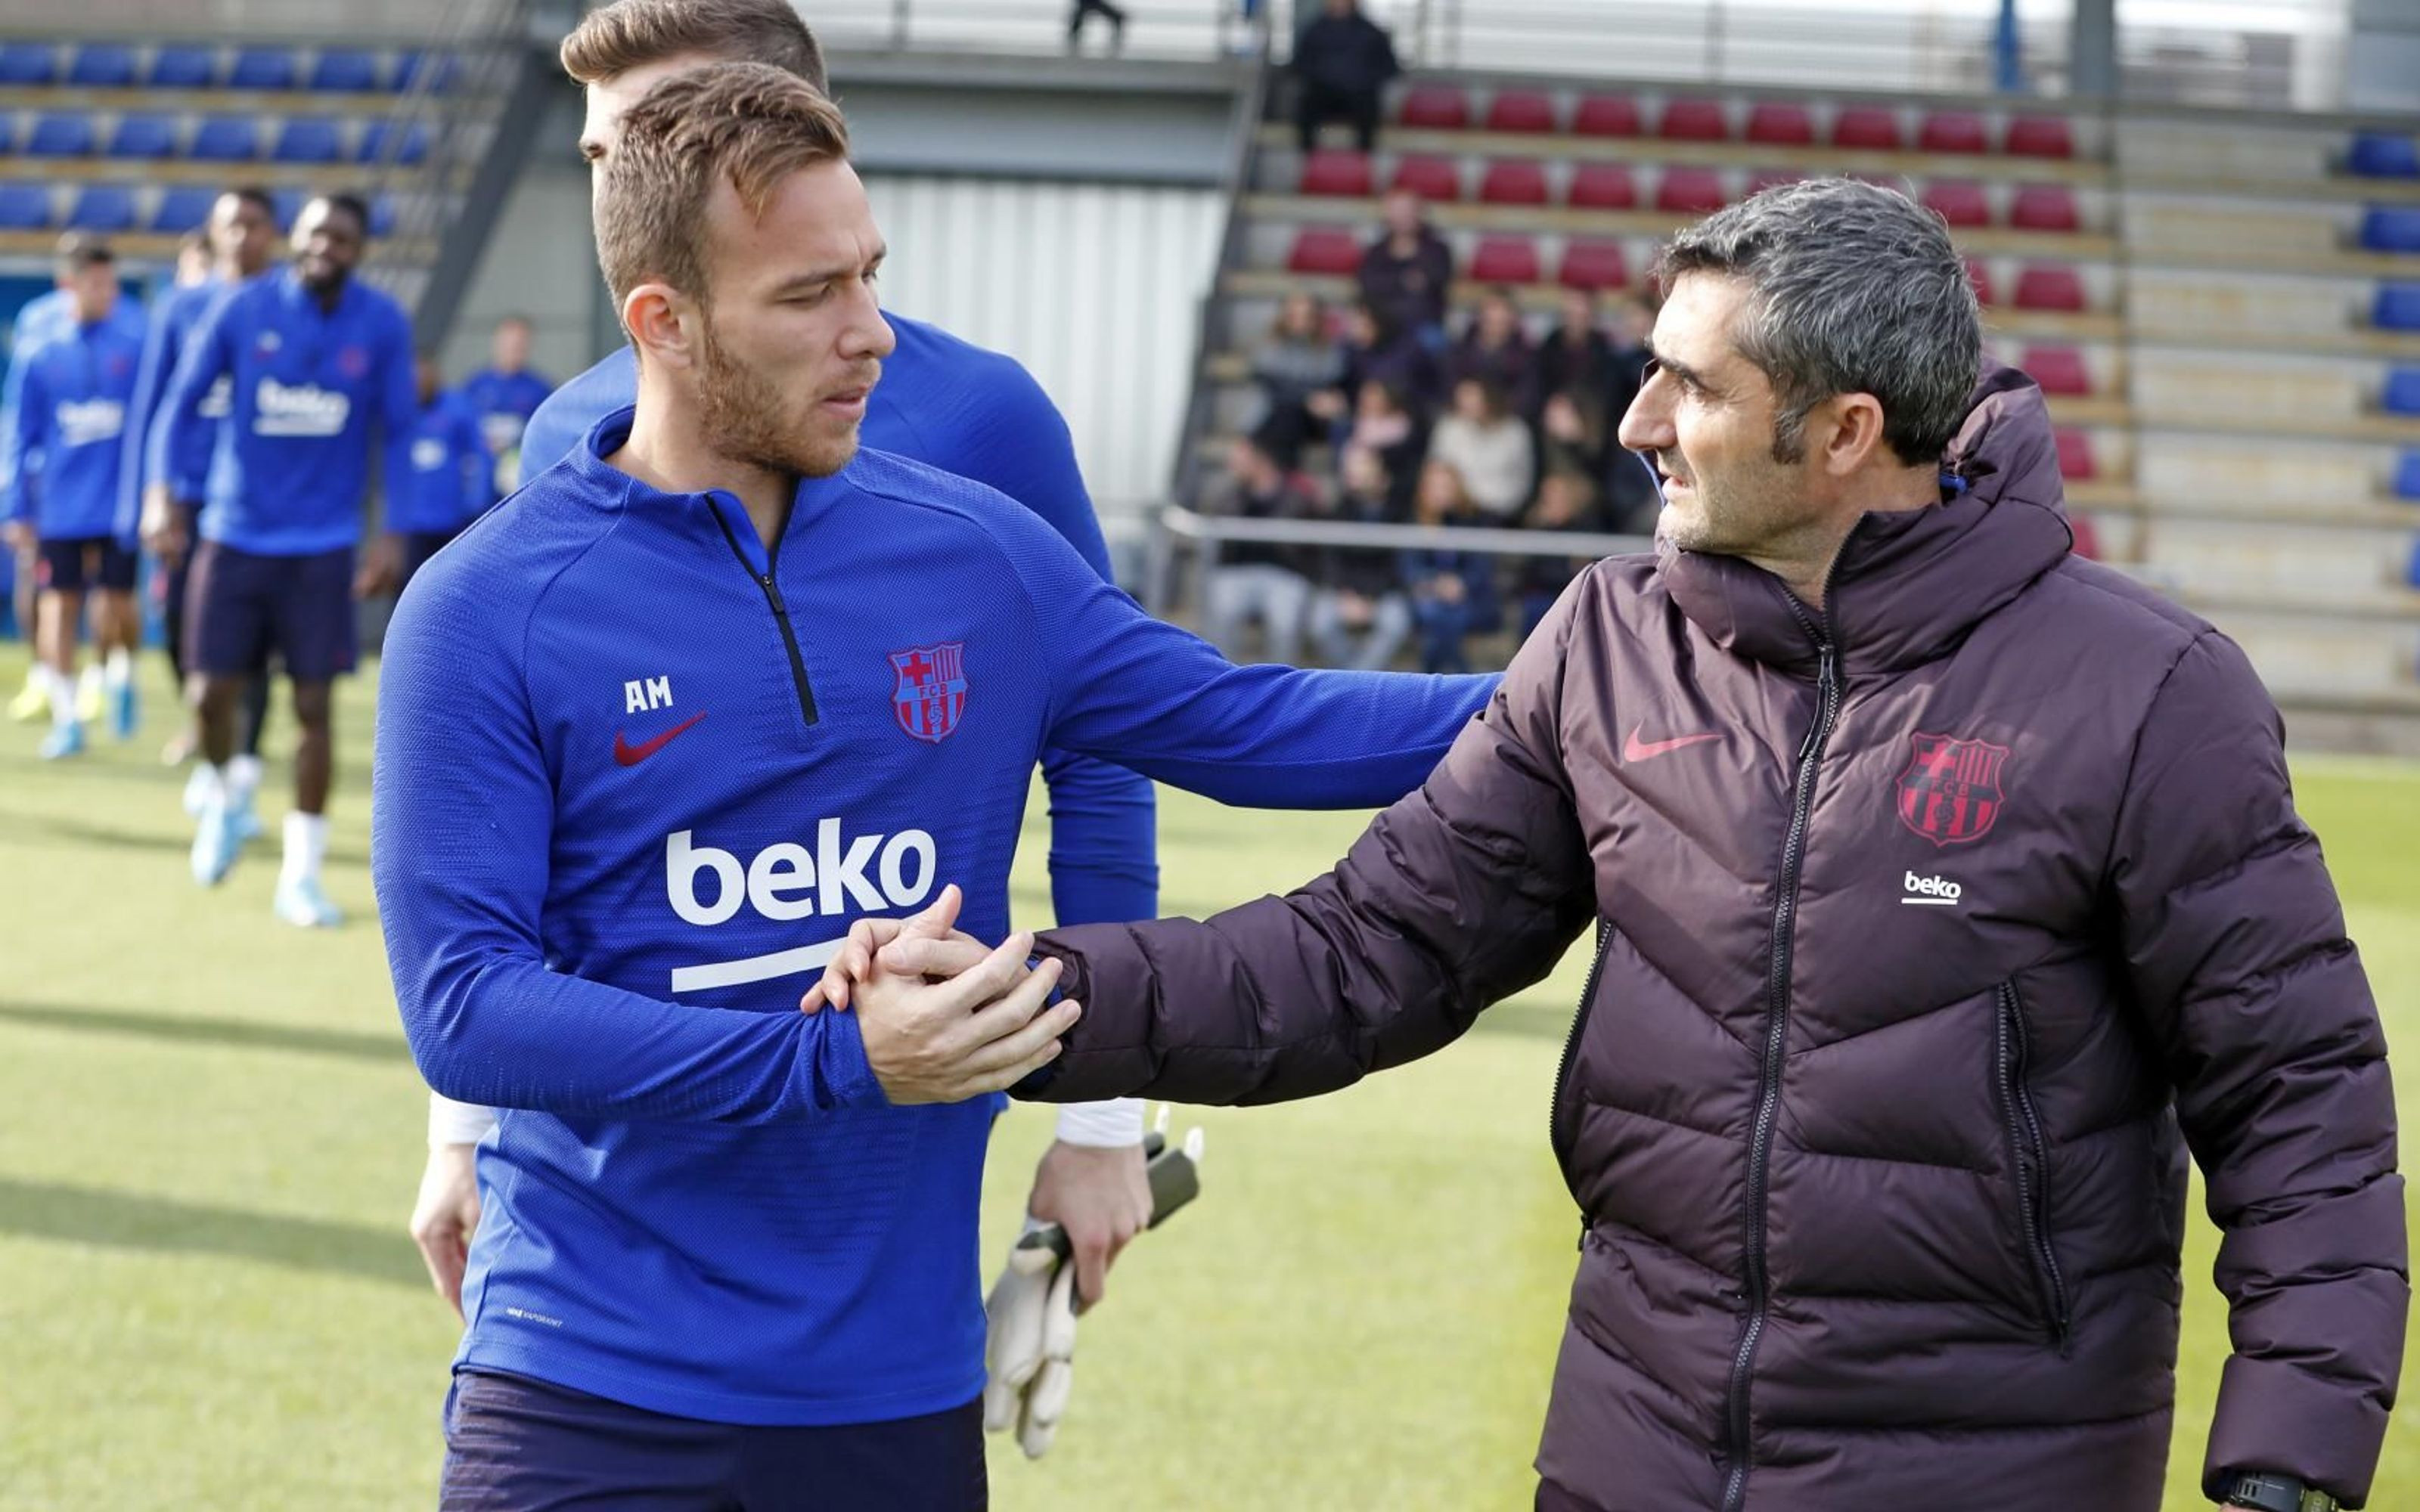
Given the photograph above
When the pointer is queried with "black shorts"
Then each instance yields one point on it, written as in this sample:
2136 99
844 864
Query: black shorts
240 605
513 1444
80 563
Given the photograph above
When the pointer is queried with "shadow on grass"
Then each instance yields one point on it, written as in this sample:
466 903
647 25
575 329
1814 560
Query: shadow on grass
49 826
248 1034
123 1220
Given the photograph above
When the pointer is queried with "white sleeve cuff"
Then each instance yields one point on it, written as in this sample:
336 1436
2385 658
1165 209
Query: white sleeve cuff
1109 1125
467 1123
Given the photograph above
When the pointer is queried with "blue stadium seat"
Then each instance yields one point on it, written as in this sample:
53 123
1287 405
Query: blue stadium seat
28 63
143 136
308 139
24 206
184 67
102 207
2384 155
102 66
2401 395
227 139
183 206
410 150
345 71
442 72
382 216
2407 475
59 134
2390 228
2396 308
262 68
288 203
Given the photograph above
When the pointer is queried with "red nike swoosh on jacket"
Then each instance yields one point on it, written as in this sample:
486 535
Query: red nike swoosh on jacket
1634 750
629 755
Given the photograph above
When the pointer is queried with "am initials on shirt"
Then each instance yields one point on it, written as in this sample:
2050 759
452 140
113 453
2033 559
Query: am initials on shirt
638 697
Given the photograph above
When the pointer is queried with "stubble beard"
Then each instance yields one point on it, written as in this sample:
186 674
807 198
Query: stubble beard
746 418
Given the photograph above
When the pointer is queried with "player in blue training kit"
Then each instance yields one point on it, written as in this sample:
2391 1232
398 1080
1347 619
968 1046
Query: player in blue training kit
450 473
504 396
320 364
68 431
707 693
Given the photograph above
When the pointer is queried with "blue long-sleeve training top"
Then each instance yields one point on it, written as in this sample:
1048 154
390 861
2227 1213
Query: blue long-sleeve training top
290 472
187 473
504 403
636 776
41 319
450 469
70 430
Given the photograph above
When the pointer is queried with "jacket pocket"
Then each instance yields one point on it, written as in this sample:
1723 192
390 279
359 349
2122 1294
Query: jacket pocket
2028 1162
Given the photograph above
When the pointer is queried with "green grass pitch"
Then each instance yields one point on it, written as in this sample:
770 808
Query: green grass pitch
210 1132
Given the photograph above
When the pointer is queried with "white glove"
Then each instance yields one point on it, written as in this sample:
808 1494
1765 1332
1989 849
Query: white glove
1029 1347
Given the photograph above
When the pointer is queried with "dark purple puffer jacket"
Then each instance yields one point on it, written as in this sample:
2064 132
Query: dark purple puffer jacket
1934 929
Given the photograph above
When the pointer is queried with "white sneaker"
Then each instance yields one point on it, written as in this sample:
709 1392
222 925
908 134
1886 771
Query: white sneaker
304 903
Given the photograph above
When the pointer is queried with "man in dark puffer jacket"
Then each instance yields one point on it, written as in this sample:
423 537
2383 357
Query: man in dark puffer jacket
1947 890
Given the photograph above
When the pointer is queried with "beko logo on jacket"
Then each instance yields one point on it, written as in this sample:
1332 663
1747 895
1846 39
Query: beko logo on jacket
83 422
864 873
299 410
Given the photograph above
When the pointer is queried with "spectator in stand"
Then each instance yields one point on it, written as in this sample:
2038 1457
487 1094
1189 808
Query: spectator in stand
1359 617
1385 429
1375 351
1489 449
1300 372
1497 350
1257 581
1452 592
1577 356
1634 319
1341 64
1567 501
1407 274
1082 11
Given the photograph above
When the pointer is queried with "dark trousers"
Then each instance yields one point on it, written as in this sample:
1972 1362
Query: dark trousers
1316 103
1084 11
254 710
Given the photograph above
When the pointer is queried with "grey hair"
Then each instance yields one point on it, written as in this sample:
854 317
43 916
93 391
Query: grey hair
1853 289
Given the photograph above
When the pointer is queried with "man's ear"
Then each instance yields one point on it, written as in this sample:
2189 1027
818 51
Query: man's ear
662 323
1855 433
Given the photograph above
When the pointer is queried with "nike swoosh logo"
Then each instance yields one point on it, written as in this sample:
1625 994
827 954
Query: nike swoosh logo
1636 750
629 755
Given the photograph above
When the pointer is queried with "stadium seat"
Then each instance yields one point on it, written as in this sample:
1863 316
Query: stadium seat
183 206
2056 289
344 71
2384 155
411 148
1952 131
1337 173
2396 307
1324 249
382 216
1764 178
2039 136
1603 186
102 207
308 139
2401 395
59 134
1522 110
25 63
2075 461
183 68
1978 273
2059 370
227 139
1694 121
414 70
1960 202
1606 116
2407 475
2083 539
24 206
144 137
2045 208
1867 129
7 133
1513 182
288 204
1690 191
1778 123
102 66
262 68
1594 265
1435 107
1505 259
1430 177
2390 228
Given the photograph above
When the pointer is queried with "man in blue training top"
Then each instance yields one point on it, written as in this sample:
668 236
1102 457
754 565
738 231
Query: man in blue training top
450 473
707 691
504 396
67 427
320 367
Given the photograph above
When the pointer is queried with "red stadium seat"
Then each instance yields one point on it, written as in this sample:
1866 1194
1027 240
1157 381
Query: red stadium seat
1324 249
1513 182
1694 121
2045 208
1436 107
1337 173
1775 123
1952 131
1430 177
2058 369
1606 116
1764 178
2087 540
1595 265
2075 461
1867 129
1690 191
1960 202
1521 110
1980 274
2051 288
2040 136
1505 259
1603 186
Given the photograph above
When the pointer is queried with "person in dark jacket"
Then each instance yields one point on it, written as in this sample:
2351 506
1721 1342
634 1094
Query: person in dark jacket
1406 275
1452 592
1495 350
1342 63
1948 889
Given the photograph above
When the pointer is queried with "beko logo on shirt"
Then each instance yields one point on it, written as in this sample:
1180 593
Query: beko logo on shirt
299 410
869 873
427 454
83 422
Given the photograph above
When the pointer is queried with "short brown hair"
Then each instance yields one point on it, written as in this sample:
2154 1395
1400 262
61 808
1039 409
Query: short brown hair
631 33
747 124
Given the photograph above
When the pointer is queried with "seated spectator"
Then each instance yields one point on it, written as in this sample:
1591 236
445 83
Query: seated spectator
1577 356
1497 350
1376 352
1259 581
1566 501
1386 430
1489 449
1359 617
1300 372
1633 320
1407 274
1341 64
1573 433
1452 592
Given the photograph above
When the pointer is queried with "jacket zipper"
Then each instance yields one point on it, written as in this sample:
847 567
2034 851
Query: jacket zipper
2025 1141
780 614
1759 1159
1571 1048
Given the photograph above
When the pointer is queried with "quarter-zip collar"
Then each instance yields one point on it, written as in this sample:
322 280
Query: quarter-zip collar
694 510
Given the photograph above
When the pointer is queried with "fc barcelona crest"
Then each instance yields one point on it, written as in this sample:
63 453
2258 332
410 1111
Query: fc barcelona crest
931 693
1951 791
